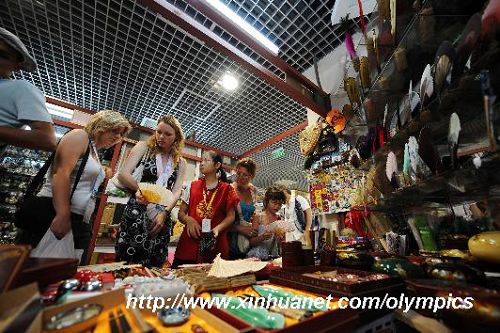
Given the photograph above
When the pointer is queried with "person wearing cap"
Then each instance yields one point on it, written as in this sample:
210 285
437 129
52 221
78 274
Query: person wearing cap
21 103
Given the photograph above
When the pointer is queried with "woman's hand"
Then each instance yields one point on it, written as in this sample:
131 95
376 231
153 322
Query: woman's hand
193 228
140 199
157 224
267 235
247 230
61 225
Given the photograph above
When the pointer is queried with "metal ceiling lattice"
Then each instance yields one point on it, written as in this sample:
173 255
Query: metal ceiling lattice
288 168
302 29
120 55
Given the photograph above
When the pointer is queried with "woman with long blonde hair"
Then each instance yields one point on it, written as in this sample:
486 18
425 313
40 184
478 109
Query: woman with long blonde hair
145 228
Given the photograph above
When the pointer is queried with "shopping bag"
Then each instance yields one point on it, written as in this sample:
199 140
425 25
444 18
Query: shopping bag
51 247
243 241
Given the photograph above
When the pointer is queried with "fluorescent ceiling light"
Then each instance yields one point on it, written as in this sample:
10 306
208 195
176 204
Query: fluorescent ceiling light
228 82
59 111
226 11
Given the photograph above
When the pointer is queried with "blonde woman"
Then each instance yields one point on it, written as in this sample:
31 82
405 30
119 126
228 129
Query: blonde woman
145 228
104 130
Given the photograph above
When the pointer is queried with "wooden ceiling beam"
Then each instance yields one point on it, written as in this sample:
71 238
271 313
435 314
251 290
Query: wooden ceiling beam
72 106
291 72
276 138
296 88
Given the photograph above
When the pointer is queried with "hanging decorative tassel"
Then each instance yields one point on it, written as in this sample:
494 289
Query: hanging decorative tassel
393 19
362 18
349 43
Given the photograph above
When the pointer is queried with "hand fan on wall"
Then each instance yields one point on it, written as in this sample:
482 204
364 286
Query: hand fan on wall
445 56
428 151
407 164
393 19
453 136
426 86
466 45
391 169
413 98
155 194
414 156
384 120
419 169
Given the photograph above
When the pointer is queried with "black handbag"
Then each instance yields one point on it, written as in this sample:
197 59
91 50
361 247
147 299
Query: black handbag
35 214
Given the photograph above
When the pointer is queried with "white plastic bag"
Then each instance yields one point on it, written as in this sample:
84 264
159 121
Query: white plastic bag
51 247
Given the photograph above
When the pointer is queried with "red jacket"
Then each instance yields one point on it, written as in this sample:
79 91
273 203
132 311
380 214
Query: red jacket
225 198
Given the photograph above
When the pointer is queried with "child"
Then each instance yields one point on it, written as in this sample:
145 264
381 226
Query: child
208 205
266 243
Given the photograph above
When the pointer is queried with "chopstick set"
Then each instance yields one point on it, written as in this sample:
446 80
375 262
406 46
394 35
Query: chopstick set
119 323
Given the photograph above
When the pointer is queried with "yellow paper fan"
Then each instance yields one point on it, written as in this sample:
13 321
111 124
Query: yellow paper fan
156 194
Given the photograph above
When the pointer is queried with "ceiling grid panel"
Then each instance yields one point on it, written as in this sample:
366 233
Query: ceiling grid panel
118 54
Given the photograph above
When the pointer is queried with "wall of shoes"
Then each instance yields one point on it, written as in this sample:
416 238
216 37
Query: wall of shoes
17 167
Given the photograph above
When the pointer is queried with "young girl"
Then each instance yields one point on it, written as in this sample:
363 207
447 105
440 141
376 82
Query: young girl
266 243
208 204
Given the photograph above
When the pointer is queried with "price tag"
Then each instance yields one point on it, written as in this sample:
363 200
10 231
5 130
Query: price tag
206 225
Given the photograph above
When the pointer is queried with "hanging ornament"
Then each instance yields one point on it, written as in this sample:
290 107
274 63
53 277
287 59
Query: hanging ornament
444 62
349 43
364 73
426 86
393 20
453 136
362 17
391 169
336 119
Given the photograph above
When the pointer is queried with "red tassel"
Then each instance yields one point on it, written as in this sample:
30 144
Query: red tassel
381 136
362 17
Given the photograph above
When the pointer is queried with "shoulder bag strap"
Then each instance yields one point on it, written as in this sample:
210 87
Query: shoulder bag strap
34 186
80 170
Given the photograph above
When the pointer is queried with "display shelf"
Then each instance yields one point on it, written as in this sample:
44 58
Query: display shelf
465 99
18 166
467 184
25 174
